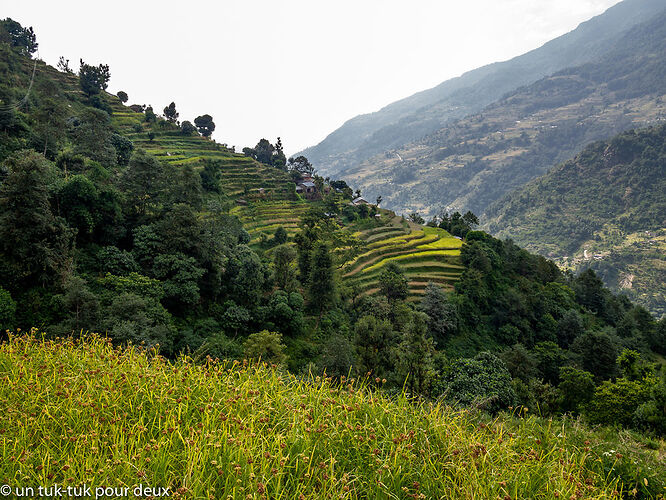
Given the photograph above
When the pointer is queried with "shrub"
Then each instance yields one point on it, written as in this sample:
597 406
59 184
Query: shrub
614 403
7 310
337 357
393 283
116 262
186 128
651 416
266 346
483 382
124 148
576 388
150 117
280 236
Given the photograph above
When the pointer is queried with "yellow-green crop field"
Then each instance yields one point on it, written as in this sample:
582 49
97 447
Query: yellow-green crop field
426 255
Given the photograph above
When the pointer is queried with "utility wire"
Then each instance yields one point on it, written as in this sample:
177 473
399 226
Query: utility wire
10 107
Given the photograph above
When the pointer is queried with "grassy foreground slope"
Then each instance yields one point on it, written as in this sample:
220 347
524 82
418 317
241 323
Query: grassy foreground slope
83 412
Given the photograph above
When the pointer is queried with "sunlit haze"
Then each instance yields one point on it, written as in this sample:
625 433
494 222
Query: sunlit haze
296 69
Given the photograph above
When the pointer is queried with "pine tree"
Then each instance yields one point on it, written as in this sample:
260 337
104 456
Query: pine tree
170 113
143 181
93 79
34 244
284 268
80 304
264 152
375 341
93 137
50 123
414 356
279 158
23 39
442 313
187 189
321 284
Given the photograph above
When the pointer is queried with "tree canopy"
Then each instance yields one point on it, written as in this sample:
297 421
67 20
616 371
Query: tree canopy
170 113
205 125
22 38
93 79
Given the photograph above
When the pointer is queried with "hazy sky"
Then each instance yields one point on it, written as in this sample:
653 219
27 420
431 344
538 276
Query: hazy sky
294 68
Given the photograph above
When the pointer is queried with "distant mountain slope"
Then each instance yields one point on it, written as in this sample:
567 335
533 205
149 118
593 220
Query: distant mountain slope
476 160
604 209
423 113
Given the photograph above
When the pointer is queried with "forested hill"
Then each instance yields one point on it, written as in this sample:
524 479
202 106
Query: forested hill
476 160
425 112
604 209
194 229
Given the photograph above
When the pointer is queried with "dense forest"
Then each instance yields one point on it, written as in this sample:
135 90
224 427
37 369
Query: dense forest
609 202
99 235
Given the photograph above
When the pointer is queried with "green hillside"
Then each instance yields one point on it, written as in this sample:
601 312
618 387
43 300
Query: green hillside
239 174
604 209
265 216
476 160
83 412
425 254
258 195
240 177
432 259
168 143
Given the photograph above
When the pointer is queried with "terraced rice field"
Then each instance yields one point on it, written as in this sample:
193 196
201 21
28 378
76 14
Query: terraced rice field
240 174
266 216
426 254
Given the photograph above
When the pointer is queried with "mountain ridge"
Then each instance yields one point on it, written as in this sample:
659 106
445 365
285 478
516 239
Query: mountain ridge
475 160
425 111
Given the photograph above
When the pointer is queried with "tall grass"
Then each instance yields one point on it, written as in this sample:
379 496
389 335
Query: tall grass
85 412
